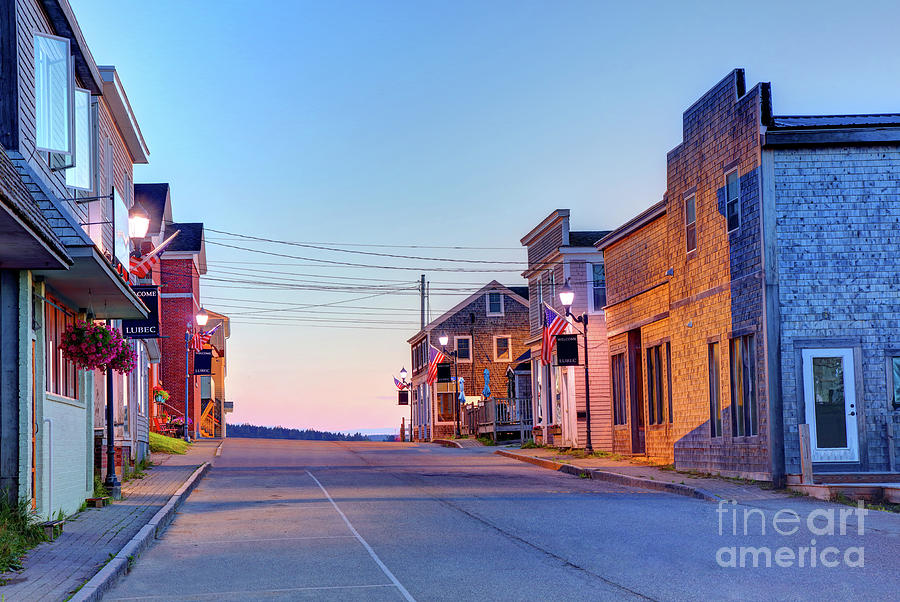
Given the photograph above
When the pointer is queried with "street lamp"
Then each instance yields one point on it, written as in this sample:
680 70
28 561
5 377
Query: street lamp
138 223
443 340
407 386
202 318
567 297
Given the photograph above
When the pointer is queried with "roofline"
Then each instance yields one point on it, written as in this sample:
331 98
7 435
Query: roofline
492 285
834 136
123 115
543 225
63 21
636 223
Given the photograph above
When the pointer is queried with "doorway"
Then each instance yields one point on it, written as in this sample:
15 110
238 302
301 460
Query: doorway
636 392
829 393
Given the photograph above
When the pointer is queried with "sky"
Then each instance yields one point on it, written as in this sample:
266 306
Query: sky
430 124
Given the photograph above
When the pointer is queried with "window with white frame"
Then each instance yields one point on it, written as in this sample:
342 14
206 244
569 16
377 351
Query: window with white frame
596 278
120 219
502 348
81 174
895 380
494 303
464 348
733 200
53 94
690 223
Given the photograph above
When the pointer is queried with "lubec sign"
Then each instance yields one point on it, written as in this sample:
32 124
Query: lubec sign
149 328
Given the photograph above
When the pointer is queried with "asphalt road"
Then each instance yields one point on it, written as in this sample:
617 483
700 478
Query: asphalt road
388 521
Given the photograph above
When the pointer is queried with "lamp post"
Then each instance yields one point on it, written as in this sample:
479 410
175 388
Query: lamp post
408 386
202 318
567 297
138 223
443 340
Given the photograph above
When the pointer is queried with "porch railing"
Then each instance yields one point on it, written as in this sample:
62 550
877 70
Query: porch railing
494 416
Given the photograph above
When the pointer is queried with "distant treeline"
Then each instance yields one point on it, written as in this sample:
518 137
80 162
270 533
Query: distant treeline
280 432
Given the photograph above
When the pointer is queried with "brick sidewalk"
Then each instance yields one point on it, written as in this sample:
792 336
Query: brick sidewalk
54 570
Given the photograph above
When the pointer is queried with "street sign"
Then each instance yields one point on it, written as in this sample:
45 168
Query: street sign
402 398
444 373
149 328
203 362
567 349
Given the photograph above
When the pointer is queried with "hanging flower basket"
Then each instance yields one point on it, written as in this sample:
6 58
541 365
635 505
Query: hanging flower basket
95 346
160 394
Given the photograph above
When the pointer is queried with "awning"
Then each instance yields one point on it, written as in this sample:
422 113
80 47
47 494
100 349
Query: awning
93 285
22 248
153 351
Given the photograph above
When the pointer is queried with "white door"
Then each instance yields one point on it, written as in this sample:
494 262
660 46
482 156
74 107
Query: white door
829 388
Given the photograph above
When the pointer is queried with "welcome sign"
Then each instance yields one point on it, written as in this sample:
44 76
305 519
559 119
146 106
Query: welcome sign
149 328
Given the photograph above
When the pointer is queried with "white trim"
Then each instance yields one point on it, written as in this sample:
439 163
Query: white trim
91 142
850 453
487 304
70 70
456 347
509 348
693 197
739 216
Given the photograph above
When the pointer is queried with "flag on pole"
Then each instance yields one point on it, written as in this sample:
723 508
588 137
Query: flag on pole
435 357
196 344
141 266
400 384
554 324
206 336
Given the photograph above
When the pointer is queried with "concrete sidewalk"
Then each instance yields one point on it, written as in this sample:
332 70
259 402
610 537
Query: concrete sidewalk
54 570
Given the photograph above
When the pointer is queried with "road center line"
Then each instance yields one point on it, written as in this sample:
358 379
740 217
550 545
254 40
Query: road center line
365 544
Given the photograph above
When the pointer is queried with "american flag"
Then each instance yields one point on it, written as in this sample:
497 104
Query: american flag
141 266
435 357
206 336
196 340
399 384
554 324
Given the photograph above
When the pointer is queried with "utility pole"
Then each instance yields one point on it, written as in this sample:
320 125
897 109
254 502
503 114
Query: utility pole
422 295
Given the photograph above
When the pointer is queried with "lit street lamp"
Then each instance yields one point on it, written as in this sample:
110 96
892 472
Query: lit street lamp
443 340
202 318
407 386
138 221
567 297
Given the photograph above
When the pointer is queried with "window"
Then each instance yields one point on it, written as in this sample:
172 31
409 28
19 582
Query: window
81 174
59 373
655 384
744 420
120 218
733 200
494 304
464 349
895 379
502 349
715 406
445 407
618 388
597 278
669 378
53 94
690 223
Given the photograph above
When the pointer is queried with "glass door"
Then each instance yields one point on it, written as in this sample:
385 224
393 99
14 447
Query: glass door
829 387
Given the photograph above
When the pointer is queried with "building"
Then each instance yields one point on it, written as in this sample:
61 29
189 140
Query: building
766 280
212 417
50 113
487 330
181 266
556 255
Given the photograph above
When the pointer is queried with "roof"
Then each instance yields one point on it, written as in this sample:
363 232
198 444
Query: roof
493 285
522 291
18 199
834 121
189 240
116 100
586 238
558 214
635 223
153 197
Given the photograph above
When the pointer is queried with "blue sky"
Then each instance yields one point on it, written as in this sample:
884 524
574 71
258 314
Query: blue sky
435 123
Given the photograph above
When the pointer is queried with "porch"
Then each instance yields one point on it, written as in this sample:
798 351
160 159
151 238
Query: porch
496 416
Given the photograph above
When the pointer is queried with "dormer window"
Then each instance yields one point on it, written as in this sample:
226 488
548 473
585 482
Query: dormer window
494 304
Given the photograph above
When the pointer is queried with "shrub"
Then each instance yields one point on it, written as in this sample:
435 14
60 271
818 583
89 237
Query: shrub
19 532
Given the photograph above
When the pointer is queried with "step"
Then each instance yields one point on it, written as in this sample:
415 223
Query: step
856 477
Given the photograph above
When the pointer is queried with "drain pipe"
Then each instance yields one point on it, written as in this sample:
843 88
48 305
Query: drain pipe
49 423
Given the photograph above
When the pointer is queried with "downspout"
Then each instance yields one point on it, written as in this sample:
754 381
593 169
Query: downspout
49 423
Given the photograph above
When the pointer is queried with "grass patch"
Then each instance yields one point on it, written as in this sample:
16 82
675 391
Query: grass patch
486 441
167 445
100 489
530 444
19 532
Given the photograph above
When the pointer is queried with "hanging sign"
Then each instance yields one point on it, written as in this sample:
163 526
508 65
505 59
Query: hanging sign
567 350
403 398
444 374
203 362
148 328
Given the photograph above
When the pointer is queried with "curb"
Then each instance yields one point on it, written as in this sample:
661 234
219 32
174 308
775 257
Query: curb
121 563
447 443
219 449
615 477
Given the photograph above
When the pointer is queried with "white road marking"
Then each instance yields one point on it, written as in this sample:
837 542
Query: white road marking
365 544
215 595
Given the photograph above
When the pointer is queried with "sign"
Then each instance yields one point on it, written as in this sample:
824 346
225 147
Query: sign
149 328
403 398
567 350
203 362
443 375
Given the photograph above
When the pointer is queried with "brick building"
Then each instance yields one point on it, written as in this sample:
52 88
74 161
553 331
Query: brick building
183 262
758 295
488 330
555 255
